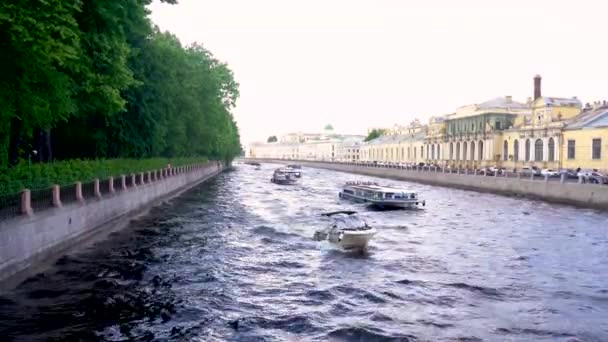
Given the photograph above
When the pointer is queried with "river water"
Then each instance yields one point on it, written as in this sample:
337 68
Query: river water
233 259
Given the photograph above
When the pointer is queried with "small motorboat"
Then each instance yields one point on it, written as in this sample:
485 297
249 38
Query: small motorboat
296 170
380 196
283 177
348 231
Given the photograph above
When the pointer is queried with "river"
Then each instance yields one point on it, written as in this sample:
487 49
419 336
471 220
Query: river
233 259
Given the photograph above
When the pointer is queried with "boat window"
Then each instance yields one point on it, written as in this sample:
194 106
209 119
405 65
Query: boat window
348 191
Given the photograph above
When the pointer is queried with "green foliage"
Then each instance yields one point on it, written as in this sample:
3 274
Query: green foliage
329 127
41 176
272 138
375 133
109 84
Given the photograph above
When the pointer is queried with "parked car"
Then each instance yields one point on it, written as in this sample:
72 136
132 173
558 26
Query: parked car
593 177
569 173
527 170
549 172
486 171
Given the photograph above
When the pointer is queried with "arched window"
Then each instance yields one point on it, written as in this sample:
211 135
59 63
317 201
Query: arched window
421 152
409 155
464 150
527 154
516 150
538 150
427 152
402 153
451 151
480 150
505 151
433 151
472 150
551 149
438 151
457 151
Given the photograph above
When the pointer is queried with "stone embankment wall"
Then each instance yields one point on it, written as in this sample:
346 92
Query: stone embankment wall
29 239
574 193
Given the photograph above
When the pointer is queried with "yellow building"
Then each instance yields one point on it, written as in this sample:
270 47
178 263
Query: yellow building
585 140
400 144
537 139
434 140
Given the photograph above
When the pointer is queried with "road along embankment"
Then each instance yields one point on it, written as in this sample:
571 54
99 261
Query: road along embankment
36 238
584 195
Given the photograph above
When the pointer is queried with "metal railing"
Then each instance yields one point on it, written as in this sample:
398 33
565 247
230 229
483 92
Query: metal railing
28 202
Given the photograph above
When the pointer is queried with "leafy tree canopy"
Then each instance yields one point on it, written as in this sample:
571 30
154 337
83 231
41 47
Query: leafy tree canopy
272 138
375 133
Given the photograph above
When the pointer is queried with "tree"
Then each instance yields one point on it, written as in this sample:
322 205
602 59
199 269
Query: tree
271 139
109 84
375 133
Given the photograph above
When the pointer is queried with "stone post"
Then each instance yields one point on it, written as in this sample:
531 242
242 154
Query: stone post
96 188
111 185
141 178
519 175
133 180
56 192
496 173
123 182
475 172
26 203
580 179
79 197
458 171
532 176
149 176
546 178
562 178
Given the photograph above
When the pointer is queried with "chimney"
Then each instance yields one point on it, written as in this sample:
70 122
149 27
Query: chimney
537 92
509 98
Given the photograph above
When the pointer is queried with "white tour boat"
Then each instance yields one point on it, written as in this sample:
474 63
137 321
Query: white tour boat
347 231
294 169
380 196
283 177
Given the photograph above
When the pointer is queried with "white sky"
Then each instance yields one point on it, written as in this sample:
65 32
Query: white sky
358 64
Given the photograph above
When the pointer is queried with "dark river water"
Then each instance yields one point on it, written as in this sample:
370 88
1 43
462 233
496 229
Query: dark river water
234 259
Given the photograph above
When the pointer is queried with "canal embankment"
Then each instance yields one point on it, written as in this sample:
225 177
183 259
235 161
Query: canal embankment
69 216
556 191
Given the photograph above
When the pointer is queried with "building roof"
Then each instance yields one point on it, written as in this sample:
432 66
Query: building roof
597 117
390 139
561 101
503 104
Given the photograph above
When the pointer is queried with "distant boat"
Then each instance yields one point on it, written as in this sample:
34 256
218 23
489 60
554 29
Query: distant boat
348 231
284 177
380 196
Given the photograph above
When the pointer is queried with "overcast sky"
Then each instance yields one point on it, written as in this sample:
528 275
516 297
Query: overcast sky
360 64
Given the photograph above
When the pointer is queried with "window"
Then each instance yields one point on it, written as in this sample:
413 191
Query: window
457 151
464 150
403 153
427 152
421 152
571 149
527 152
480 150
497 125
472 127
472 150
505 151
408 153
538 150
597 149
551 149
432 151
516 150
438 151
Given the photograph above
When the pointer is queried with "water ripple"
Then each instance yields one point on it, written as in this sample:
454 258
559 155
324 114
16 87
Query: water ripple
233 259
